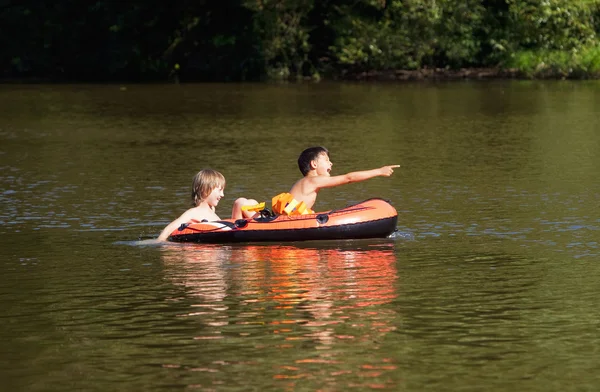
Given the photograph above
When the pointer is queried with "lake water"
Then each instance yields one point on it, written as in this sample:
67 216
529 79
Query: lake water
489 284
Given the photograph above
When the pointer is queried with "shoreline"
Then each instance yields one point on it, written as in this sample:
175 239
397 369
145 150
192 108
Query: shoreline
394 75
435 74
443 74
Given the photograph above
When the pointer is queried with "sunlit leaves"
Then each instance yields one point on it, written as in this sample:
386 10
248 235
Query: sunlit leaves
283 39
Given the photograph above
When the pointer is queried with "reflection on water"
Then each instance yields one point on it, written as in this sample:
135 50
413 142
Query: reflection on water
289 298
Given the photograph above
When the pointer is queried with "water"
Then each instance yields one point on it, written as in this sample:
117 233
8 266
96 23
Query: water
489 284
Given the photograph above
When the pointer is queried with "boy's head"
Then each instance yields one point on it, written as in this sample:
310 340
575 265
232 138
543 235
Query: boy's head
308 156
204 182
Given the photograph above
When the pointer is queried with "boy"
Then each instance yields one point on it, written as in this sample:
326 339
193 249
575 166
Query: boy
207 190
315 166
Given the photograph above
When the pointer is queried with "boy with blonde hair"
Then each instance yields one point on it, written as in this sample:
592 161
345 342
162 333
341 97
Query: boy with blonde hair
207 189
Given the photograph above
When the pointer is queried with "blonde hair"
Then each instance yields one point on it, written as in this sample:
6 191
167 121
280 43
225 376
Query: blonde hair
204 182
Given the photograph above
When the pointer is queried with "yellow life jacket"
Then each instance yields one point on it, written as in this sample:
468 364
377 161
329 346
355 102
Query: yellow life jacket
285 204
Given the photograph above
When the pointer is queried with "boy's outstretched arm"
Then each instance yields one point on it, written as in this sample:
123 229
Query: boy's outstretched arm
328 182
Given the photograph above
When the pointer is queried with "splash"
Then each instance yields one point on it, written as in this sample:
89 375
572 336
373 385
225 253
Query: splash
400 235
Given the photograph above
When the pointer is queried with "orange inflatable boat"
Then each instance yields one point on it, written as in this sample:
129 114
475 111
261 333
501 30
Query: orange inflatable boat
372 218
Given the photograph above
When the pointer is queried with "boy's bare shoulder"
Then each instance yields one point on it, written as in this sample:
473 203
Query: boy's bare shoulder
189 214
304 184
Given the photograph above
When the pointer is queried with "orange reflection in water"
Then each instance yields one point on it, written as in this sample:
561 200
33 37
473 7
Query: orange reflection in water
330 297
334 298
287 275
363 277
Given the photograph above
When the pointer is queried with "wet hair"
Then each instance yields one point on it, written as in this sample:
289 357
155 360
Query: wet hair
204 182
309 155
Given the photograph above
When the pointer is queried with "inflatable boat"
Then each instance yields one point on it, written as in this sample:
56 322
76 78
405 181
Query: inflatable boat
373 218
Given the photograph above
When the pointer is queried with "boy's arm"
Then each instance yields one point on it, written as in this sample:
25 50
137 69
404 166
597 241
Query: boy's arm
329 182
169 229
184 218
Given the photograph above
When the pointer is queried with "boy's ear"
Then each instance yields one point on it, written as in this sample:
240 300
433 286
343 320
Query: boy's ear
313 164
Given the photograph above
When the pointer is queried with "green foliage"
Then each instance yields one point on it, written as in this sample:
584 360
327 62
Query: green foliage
459 32
380 35
293 39
582 63
283 35
552 24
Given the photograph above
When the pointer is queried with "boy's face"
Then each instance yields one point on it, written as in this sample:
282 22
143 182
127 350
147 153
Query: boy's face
322 164
214 197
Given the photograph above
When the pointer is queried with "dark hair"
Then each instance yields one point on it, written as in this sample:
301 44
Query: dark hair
309 155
